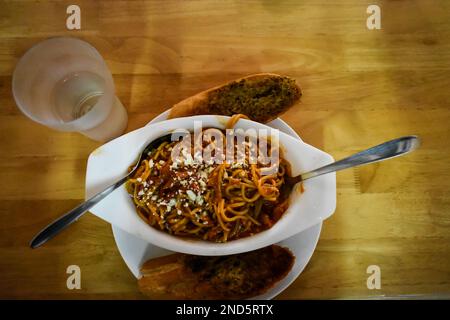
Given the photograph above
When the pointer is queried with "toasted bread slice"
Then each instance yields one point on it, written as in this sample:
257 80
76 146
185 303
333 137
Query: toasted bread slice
261 97
239 276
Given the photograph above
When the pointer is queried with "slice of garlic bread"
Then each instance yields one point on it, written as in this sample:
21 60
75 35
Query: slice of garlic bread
262 97
239 276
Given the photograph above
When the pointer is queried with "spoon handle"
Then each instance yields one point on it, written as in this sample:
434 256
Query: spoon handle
387 150
61 223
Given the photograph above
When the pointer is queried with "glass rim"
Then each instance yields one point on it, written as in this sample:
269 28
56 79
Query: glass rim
76 124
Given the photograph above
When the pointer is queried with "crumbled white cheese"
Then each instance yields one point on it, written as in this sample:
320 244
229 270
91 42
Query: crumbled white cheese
192 196
189 161
172 202
199 200
162 203
203 174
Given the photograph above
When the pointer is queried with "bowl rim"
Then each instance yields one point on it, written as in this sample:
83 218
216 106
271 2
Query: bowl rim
194 246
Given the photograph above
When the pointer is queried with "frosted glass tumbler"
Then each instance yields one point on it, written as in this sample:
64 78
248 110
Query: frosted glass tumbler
64 83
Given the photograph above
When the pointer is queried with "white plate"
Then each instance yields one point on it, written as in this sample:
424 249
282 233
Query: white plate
136 251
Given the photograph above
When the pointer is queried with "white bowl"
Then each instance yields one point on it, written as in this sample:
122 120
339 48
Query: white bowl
109 163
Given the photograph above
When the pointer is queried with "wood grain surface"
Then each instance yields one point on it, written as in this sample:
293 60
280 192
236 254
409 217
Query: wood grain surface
361 87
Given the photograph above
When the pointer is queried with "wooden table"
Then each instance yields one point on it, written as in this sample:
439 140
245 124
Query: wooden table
361 87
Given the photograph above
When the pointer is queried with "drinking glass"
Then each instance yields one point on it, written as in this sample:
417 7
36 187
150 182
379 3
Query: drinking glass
64 83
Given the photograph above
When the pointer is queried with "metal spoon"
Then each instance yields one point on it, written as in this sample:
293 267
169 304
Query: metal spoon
387 150
58 225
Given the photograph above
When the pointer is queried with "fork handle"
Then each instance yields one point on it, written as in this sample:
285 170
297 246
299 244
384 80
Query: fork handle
387 150
61 223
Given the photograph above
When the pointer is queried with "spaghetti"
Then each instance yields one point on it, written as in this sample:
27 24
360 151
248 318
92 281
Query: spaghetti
213 202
